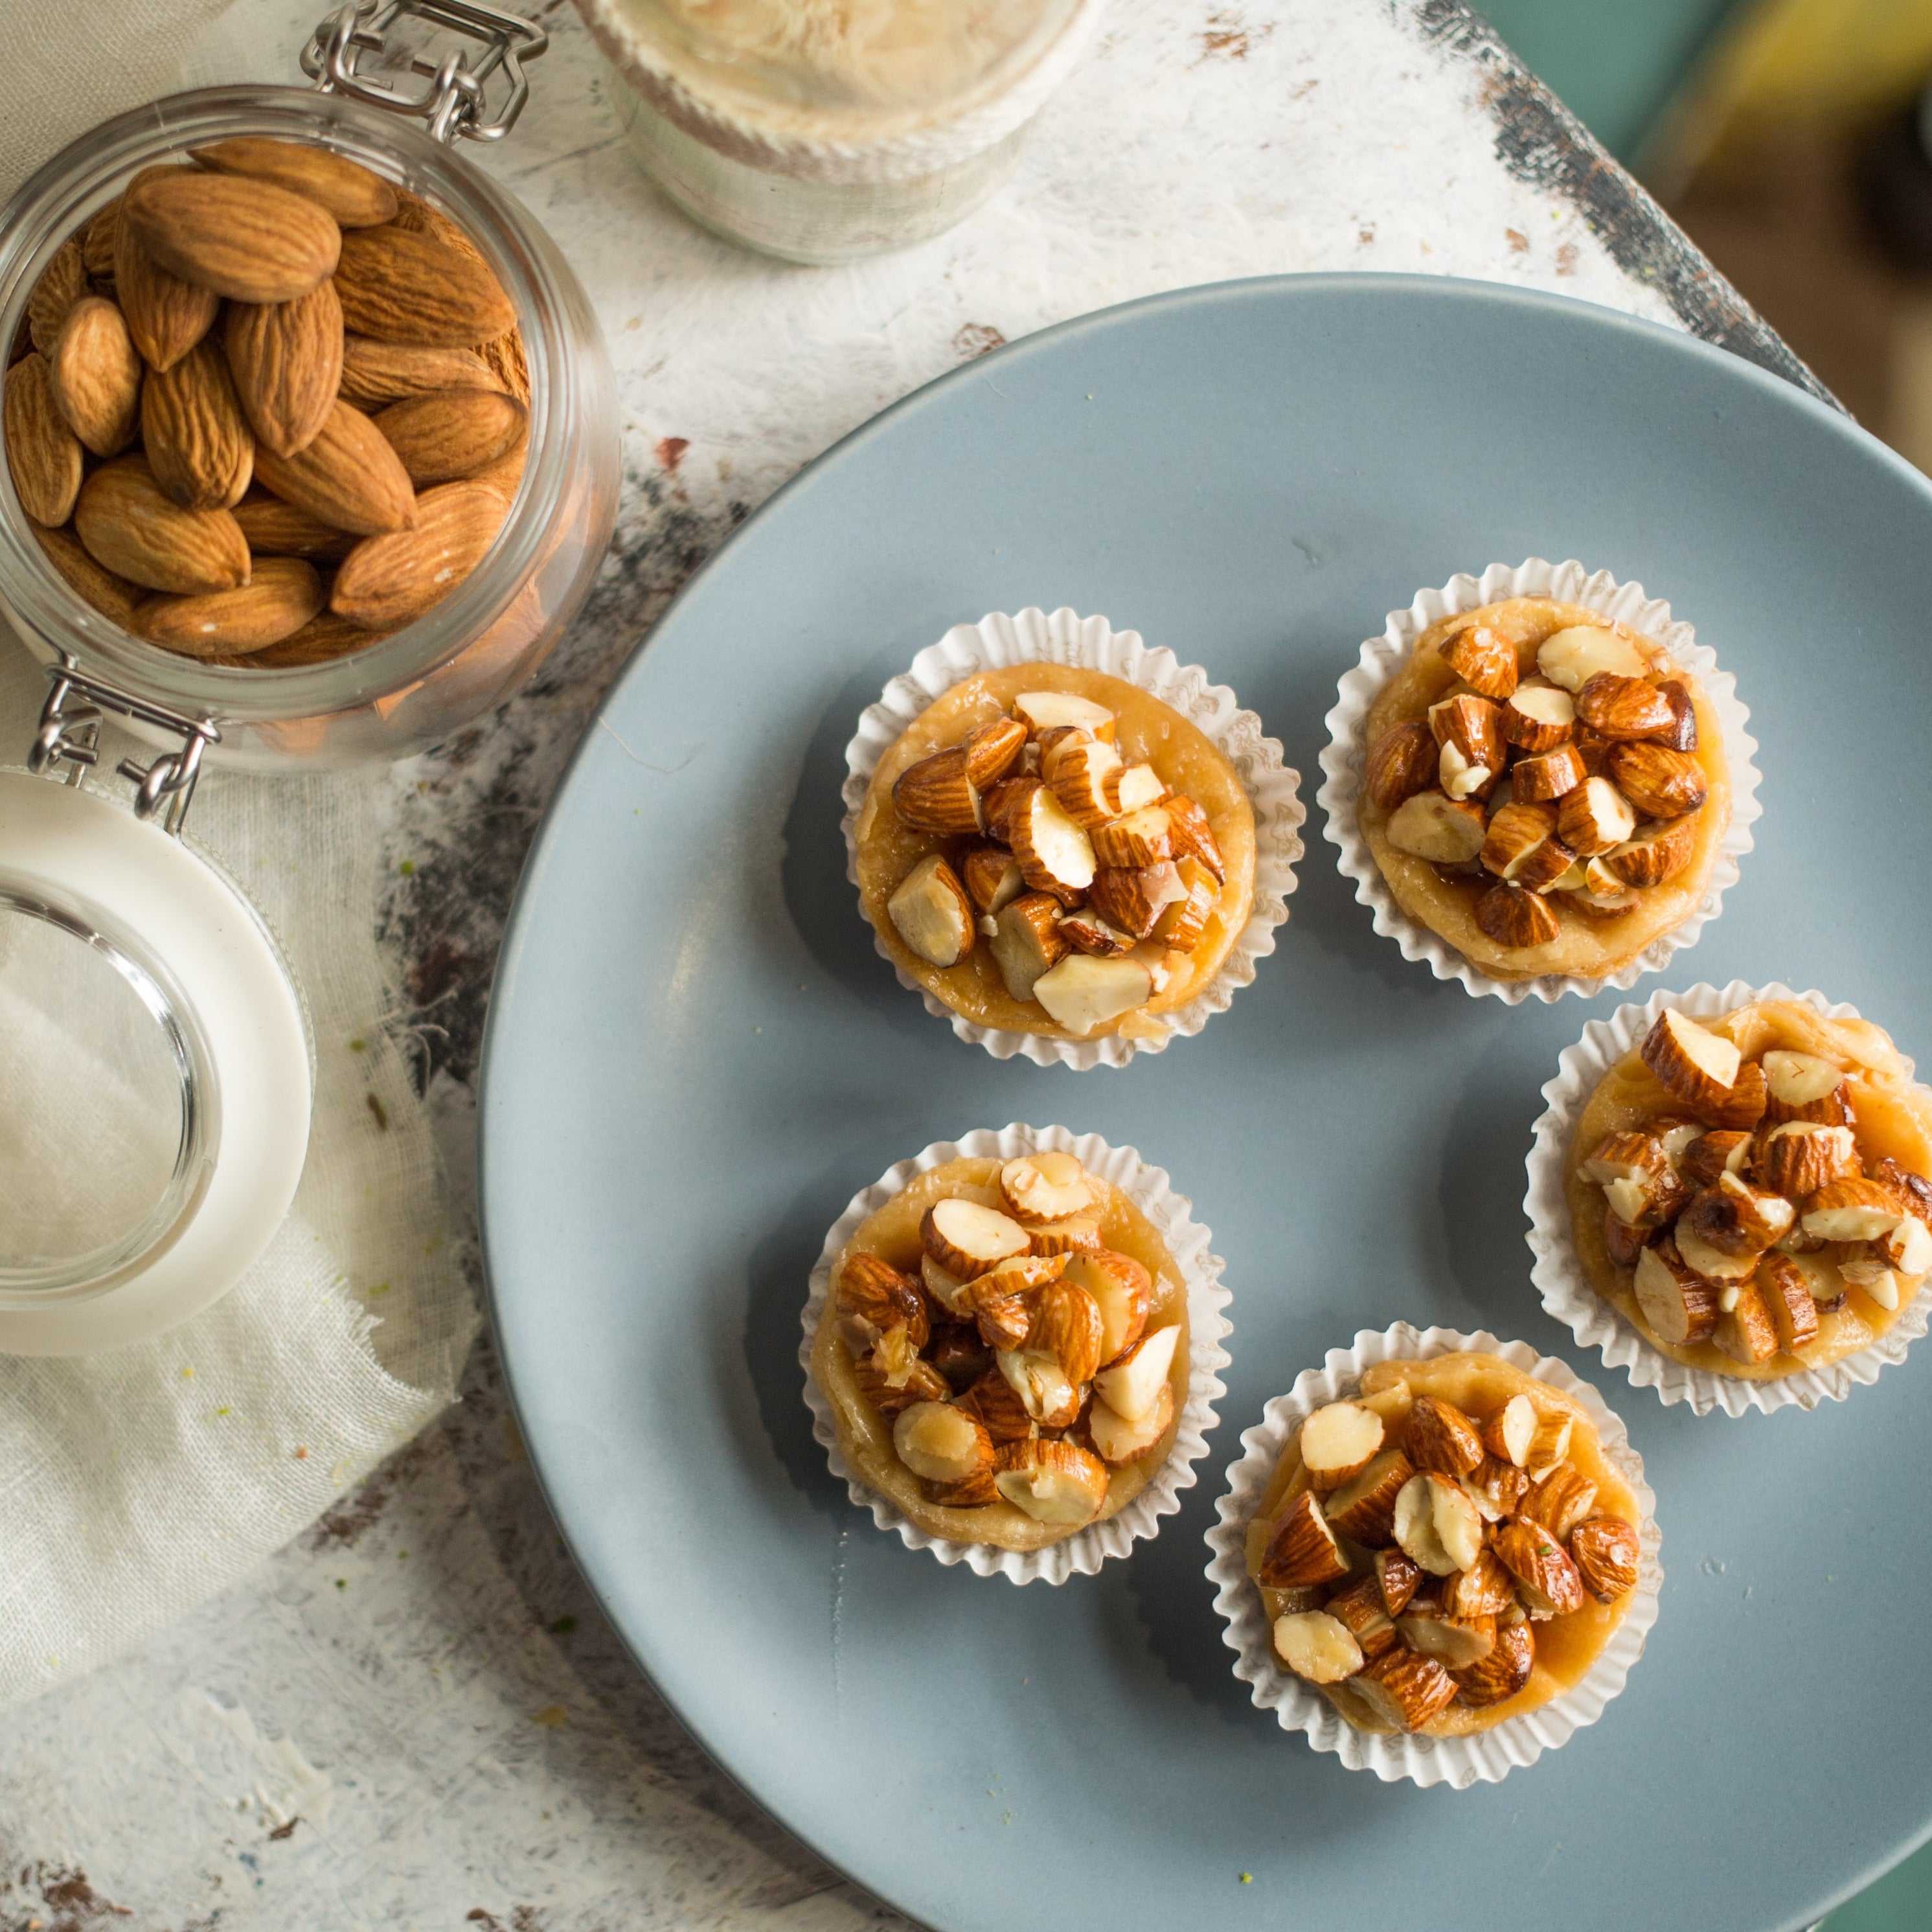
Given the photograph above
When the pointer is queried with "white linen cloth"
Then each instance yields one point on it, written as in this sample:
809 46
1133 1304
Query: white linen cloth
137 1483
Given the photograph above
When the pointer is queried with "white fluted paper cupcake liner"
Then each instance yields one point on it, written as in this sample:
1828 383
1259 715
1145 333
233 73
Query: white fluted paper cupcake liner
1566 1291
1207 1328
1344 755
1064 637
1484 1757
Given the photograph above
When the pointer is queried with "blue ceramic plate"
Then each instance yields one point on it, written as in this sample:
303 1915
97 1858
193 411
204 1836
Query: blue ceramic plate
696 1057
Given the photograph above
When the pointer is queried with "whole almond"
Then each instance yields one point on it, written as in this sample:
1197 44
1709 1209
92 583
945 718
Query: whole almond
96 373
248 240
421 218
505 355
97 243
403 286
506 475
389 581
63 283
43 455
348 477
441 439
166 316
276 529
286 360
197 439
355 197
133 528
375 373
326 636
112 596
279 598
23 341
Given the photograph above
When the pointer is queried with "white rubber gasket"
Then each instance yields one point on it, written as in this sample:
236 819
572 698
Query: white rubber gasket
1186 1241
1482 1757
1570 1295
1344 755
151 893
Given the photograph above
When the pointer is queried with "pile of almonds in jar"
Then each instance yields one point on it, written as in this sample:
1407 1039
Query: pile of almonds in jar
1090 879
1580 782
264 408
1019 1366
1745 1223
1417 1573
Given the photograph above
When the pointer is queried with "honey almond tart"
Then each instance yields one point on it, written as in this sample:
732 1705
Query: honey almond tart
1005 1350
1049 850
1751 1191
1545 788
1446 1548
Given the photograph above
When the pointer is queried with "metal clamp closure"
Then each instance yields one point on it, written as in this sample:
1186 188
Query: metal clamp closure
452 105
68 742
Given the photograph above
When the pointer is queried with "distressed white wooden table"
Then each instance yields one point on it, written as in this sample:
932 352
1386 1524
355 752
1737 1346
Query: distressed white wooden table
414 1717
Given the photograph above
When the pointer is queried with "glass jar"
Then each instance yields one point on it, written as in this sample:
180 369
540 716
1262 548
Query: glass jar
413 689
824 130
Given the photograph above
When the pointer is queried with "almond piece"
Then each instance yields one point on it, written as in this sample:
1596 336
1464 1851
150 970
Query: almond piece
966 1239
130 527
1606 1550
1660 782
1502 1672
1714 1265
390 580
1132 788
1403 1689
1180 925
1192 833
1855 1209
403 287
1617 707
1438 1436
1548 1447
1401 763
1086 931
1303 1548
1066 1325
1547 1580
1431 826
942 1442
1027 942
1075 768
1485 1589
935 795
1438 1524
276 529
1052 1482
1787 1290
1510 1432
1134 899
1045 1187
1804 1087
1455 1642
1796 1159
282 594
442 438
248 240
931 912
1078 1235
1538 717
1655 852
879 1298
1316 1646
991 878
1522 847
1054 855
348 476
1360 1610
1699 1066
992 1400
355 197
1710 1156
1742 1103
1364 1508
166 316
1595 818
1496 1486
1338 1441
1680 1305
63 283
1041 711
1122 1289
1460 778
1143 838
892 1391
1117 1440
1560 1501
113 597
1474 725
95 374
1082 993
1736 1218
1914 1191
43 456
1623 1242
1484 659
1572 657
1630 1155
1745 1330
285 359
1515 918
1397 1577
992 749
197 442
1037 1378
1130 1386
1552 775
